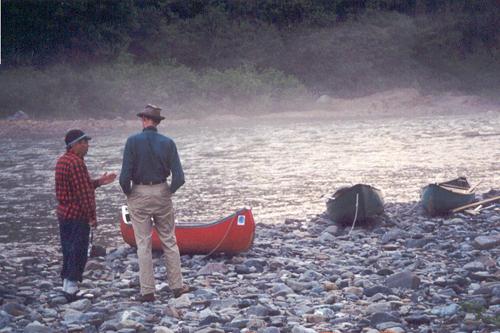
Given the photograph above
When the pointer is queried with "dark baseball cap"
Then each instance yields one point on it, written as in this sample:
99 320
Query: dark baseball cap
75 135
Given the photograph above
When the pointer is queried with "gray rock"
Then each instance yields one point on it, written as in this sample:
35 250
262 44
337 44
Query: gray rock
333 230
388 325
417 243
162 329
281 289
393 235
371 291
36 327
474 266
382 317
212 268
207 330
239 322
297 286
302 329
5 318
80 305
404 279
15 309
417 319
326 238
486 242
446 311
270 329
323 99
19 115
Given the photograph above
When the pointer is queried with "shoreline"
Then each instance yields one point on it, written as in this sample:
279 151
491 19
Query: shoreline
397 103
31 128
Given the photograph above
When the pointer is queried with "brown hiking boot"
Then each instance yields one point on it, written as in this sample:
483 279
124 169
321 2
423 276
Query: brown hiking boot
145 298
183 290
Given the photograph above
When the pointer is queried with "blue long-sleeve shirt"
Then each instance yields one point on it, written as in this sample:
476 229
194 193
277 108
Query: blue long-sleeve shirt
150 157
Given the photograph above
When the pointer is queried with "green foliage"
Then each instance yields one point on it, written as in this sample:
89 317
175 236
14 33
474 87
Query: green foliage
463 44
108 57
122 88
45 32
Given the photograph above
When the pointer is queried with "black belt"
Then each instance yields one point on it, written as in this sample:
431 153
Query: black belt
150 183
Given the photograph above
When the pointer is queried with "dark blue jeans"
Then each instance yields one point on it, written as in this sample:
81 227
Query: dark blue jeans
75 244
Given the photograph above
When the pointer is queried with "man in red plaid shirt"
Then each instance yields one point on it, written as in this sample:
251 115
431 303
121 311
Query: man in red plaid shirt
76 211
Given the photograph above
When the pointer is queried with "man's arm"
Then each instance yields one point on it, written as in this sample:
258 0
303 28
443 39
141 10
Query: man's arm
127 168
105 179
175 168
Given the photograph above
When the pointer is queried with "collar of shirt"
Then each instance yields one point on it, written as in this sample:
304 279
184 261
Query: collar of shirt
150 128
69 152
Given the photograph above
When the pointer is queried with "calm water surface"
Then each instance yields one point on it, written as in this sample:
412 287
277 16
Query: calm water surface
282 169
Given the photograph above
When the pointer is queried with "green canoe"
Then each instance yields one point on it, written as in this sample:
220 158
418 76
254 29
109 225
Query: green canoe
441 198
341 207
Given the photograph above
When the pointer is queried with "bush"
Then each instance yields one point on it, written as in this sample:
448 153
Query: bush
123 88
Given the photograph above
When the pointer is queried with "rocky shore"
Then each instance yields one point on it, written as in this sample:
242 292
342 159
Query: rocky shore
405 273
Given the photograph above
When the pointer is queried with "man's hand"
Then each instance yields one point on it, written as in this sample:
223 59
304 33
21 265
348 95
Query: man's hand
93 223
107 178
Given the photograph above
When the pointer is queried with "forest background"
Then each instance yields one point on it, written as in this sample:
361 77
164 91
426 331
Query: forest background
106 59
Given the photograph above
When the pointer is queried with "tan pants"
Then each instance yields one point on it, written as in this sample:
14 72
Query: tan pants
154 201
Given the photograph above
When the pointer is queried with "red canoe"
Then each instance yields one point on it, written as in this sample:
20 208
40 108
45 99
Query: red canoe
231 235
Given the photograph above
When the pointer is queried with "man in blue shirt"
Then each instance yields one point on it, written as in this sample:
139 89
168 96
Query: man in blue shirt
149 158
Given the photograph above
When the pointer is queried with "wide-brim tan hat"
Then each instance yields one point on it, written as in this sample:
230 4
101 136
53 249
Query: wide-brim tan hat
151 111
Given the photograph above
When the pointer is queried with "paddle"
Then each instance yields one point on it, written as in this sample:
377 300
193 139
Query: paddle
474 187
474 204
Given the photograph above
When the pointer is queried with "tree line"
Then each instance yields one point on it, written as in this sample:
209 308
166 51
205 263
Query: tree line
105 58
197 33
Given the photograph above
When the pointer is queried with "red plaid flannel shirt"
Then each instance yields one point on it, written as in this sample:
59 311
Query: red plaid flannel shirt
75 190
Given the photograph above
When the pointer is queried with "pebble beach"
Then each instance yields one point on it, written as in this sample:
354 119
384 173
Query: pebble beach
406 272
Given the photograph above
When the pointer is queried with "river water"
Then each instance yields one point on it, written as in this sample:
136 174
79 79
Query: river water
281 168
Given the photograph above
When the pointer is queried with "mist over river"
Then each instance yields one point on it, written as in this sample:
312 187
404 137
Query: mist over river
281 168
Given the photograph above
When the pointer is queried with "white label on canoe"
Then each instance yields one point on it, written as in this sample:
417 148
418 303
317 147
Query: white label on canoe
241 219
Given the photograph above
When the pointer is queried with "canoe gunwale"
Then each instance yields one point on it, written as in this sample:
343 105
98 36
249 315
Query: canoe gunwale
189 225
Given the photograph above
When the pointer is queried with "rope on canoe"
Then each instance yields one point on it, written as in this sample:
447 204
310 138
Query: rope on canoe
220 242
355 214
412 208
